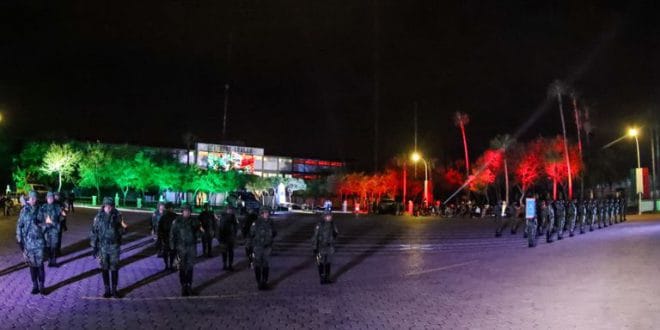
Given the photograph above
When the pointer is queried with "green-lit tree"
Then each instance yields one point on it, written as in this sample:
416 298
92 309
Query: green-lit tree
20 177
92 168
60 159
259 186
123 174
27 165
143 167
168 175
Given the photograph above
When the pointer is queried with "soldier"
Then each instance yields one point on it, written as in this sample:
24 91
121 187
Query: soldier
30 239
247 224
615 210
208 220
610 211
63 227
501 217
582 214
323 244
105 236
531 225
593 212
155 218
227 230
51 214
622 208
571 216
259 244
601 214
164 227
183 239
560 218
549 221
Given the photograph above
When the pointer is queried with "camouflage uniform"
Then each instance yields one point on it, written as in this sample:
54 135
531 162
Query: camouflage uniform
610 212
53 231
601 214
560 218
155 219
622 209
105 238
549 222
64 205
323 244
164 228
30 238
593 214
227 231
582 215
501 218
259 243
183 239
207 220
571 216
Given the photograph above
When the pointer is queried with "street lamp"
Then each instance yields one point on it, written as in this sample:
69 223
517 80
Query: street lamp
415 157
634 132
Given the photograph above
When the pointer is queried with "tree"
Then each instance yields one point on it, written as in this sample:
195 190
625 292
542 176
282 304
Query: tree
143 167
60 160
93 167
20 177
558 89
259 186
29 161
502 143
460 120
293 185
123 174
168 175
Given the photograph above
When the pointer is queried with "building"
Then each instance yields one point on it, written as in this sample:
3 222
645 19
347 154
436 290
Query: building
254 161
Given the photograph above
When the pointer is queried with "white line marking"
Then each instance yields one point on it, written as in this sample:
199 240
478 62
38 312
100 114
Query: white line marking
441 268
227 296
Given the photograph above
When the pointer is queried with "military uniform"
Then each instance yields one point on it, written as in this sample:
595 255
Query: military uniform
183 239
66 207
582 215
207 220
30 238
560 218
227 231
549 222
531 227
164 227
622 209
571 216
50 214
259 244
155 219
593 214
501 218
601 214
105 237
323 244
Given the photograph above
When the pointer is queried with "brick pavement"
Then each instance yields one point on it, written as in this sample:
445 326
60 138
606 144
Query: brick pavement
390 272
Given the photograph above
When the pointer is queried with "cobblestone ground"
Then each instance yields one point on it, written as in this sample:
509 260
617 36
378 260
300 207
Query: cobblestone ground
390 273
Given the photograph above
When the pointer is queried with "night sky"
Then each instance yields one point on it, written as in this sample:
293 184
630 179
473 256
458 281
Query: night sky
303 74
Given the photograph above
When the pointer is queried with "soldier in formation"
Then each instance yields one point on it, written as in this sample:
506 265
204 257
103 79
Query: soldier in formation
30 238
50 214
164 227
227 231
155 219
183 239
571 216
208 221
323 245
107 230
259 244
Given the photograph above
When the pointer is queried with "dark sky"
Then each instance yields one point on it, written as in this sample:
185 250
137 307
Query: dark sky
302 73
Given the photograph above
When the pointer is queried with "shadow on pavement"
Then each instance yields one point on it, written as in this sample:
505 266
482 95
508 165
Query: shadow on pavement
390 236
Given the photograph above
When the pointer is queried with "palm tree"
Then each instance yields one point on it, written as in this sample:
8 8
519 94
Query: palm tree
557 88
502 143
460 120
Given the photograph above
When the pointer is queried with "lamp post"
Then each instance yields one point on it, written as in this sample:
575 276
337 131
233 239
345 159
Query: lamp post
634 132
415 158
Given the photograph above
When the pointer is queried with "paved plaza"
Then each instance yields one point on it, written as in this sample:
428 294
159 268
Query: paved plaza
390 273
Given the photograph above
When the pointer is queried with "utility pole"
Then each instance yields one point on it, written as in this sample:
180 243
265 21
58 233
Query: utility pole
224 117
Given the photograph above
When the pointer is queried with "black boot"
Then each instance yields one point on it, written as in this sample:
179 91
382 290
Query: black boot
230 260
183 281
189 278
321 275
264 278
106 283
53 258
42 279
257 275
34 273
327 274
115 282
166 261
171 261
224 260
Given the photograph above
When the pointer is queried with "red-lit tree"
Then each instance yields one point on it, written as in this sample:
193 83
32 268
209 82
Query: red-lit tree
528 165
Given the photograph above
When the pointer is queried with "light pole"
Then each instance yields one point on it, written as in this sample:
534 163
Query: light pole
415 157
634 132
